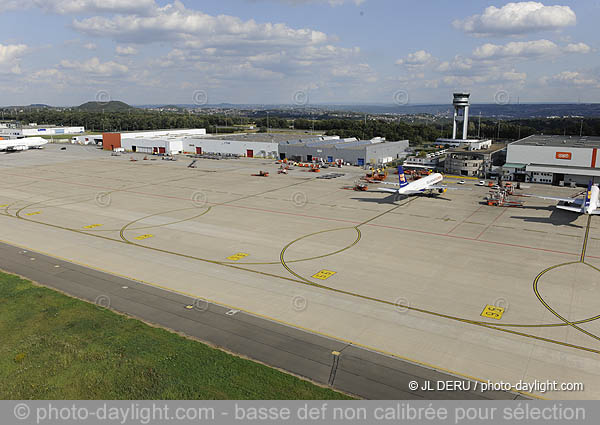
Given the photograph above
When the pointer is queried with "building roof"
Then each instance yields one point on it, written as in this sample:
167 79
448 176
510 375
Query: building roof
441 139
258 137
559 141
465 149
229 139
348 144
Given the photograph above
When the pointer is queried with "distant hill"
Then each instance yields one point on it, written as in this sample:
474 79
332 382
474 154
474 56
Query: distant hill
112 106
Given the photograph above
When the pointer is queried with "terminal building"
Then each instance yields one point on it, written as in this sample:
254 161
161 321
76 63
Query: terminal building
464 161
557 160
433 160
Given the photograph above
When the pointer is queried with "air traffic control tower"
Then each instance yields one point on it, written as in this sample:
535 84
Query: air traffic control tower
461 112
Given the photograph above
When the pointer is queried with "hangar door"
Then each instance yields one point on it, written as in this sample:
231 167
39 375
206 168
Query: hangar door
198 150
249 153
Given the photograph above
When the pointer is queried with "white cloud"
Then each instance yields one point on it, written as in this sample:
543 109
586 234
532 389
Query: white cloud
459 63
463 72
10 55
514 76
11 52
491 77
96 68
46 74
417 58
331 2
64 7
570 78
577 48
174 22
517 18
226 47
90 46
125 50
361 73
527 49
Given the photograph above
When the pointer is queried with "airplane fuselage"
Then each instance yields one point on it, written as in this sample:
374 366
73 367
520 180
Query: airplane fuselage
14 145
422 184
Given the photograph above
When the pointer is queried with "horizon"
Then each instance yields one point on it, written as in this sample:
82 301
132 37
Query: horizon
208 105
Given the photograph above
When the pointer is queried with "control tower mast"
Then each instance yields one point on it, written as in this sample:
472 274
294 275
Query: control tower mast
461 112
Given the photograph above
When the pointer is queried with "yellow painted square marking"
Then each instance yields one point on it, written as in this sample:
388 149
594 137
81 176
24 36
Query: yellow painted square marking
34 213
141 238
238 256
323 274
5 205
92 226
492 312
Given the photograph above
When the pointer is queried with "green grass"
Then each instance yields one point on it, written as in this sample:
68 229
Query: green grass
56 347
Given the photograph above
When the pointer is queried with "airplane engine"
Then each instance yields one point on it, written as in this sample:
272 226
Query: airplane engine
442 190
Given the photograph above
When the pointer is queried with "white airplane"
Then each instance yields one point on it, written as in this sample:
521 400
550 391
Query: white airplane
587 205
425 184
16 145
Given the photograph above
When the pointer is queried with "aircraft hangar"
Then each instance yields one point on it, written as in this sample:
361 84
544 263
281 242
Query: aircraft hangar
552 159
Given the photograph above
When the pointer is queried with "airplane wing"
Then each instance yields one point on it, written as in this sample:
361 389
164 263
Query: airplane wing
552 198
574 209
390 190
446 188
384 189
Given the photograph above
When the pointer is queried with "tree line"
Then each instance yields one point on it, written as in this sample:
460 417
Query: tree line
417 133
131 120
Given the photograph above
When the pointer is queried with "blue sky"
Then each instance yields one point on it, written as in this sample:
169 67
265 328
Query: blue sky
64 52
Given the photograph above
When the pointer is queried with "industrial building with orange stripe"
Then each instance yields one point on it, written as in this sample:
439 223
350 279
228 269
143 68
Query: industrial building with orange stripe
557 160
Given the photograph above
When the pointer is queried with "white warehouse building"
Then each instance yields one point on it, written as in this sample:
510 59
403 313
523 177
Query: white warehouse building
554 160
168 142
162 145
51 130
250 149
16 132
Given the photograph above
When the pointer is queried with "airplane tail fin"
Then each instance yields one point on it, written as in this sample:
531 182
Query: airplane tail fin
588 195
401 177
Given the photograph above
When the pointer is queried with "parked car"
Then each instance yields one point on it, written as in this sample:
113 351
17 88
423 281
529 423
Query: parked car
461 182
